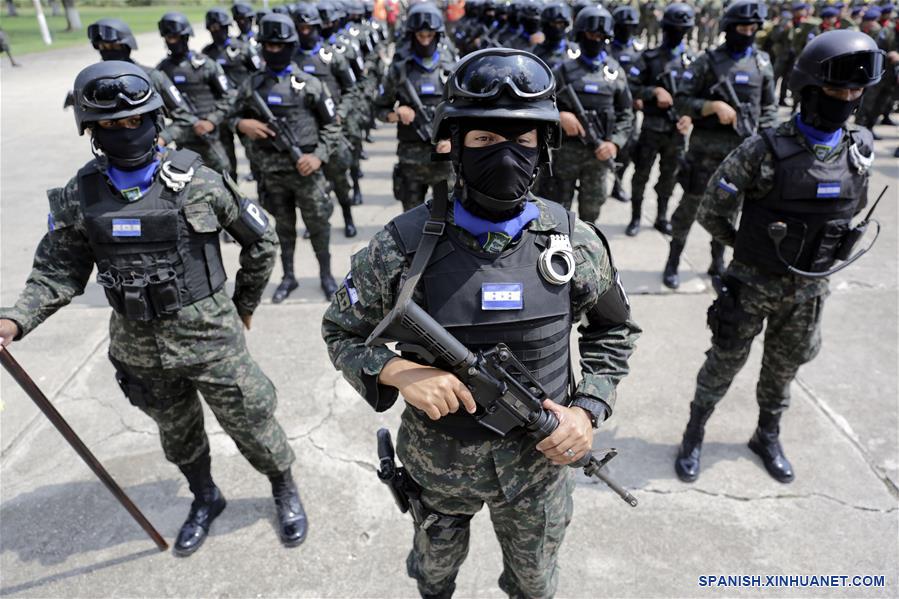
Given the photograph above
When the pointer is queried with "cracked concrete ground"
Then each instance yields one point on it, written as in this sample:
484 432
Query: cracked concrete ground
62 534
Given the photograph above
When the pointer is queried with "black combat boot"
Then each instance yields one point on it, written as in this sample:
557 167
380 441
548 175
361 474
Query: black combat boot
357 190
618 190
669 276
208 503
289 282
687 463
329 286
349 227
633 227
291 516
716 268
662 224
766 445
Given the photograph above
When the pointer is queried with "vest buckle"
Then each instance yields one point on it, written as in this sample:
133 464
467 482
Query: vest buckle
174 180
433 227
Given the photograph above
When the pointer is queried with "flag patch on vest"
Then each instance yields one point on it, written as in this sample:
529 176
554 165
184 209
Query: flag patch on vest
274 99
502 296
428 88
126 227
634 71
179 78
309 68
591 88
829 189
727 186
741 77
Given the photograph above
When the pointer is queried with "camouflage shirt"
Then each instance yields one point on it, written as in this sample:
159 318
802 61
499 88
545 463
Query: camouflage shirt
372 286
750 170
203 331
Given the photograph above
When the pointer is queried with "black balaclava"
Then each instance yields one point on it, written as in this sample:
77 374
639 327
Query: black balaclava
499 175
672 37
179 49
621 33
737 42
245 25
425 51
591 48
278 61
123 52
308 41
128 149
219 36
825 113
328 30
530 25
554 33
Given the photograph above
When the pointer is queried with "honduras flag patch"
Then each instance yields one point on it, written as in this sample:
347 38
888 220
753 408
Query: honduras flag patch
126 227
309 68
591 88
274 100
741 77
727 186
829 189
502 296
179 78
428 89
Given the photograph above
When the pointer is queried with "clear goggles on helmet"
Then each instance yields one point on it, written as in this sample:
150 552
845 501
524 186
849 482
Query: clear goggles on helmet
423 19
275 31
522 74
124 91
859 69
103 33
755 12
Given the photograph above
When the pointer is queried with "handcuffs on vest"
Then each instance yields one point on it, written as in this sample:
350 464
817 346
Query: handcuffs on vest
559 245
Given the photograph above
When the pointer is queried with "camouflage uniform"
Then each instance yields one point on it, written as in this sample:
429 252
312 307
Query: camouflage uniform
877 100
789 306
175 109
200 348
529 498
626 55
414 173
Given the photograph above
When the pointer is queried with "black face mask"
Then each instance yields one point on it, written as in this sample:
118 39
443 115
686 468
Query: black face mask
622 33
737 42
554 34
179 48
278 61
591 48
671 38
128 148
307 42
531 26
424 51
825 113
503 172
123 53
329 30
220 36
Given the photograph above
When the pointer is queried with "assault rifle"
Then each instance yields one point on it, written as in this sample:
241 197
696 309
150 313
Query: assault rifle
506 393
596 130
745 125
423 117
668 81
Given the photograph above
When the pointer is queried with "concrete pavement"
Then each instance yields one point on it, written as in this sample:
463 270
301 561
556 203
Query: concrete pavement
62 534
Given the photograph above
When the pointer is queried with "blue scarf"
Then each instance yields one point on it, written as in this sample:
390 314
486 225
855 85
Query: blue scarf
595 62
133 184
823 142
433 61
485 230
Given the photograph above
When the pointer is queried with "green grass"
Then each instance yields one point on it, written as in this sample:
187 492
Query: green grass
24 34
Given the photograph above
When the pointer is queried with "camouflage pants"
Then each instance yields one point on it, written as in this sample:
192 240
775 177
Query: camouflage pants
575 167
670 148
239 394
415 173
792 338
285 191
699 167
529 499
336 171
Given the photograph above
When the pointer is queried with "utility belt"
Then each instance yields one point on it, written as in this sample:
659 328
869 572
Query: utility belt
143 296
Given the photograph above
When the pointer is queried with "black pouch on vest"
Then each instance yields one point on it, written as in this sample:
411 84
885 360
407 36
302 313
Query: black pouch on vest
136 299
112 288
163 291
850 240
724 317
830 239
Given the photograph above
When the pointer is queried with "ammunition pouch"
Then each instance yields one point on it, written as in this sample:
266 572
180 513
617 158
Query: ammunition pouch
142 297
725 316
830 245
443 527
137 391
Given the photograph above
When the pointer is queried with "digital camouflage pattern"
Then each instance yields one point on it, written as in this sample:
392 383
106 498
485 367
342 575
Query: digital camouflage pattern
284 193
575 163
790 306
181 118
419 172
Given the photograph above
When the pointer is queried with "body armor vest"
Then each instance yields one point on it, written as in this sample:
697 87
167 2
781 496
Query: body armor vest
625 55
154 255
596 89
190 79
429 87
289 101
816 199
318 64
233 60
746 77
659 61
457 283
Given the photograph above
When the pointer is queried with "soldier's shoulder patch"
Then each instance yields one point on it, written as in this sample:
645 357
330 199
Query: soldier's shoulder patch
346 294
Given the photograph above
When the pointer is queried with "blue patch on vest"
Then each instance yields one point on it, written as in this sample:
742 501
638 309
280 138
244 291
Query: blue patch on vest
502 296
688 75
179 79
624 59
591 88
829 189
223 61
274 99
309 68
741 77
126 227
634 71
428 89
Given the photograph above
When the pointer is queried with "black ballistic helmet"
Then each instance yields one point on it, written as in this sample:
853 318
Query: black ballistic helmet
241 10
500 83
594 19
111 31
281 9
679 15
329 11
744 12
305 13
218 16
626 15
555 12
839 58
277 29
112 90
174 23
424 16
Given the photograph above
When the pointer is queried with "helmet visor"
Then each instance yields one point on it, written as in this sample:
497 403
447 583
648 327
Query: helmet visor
108 93
423 19
853 70
525 76
595 23
754 12
167 28
274 31
103 33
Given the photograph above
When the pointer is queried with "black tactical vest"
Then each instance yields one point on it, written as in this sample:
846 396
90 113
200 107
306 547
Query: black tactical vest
318 64
484 299
190 79
816 200
289 101
659 61
625 55
745 75
154 255
429 87
596 88
233 61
